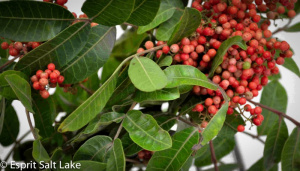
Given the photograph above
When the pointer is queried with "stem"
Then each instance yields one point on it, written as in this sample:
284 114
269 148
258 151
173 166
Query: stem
213 155
16 143
283 28
276 112
187 122
86 89
133 161
30 124
121 125
8 62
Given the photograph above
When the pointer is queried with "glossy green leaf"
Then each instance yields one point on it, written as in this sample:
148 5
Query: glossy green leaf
222 147
108 12
92 57
5 89
87 165
39 153
188 164
146 75
165 30
176 3
158 95
130 148
96 149
45 113
273 96
59 50
186 75
259 165
144 12
22 90
164 13
189 22
90 108
175 157
215 124
4 53
291 65
116 161
166 61
11 126
274 144
144 131
290 157
218 59
32 21
293 28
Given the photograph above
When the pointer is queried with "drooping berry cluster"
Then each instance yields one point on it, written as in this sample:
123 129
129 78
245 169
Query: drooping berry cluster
243 73
43 80
18 48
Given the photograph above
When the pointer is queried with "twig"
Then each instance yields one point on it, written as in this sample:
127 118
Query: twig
8 62
121 125
213 155
133 161
283 28
30 124
187 122
16 143
86 89
276 112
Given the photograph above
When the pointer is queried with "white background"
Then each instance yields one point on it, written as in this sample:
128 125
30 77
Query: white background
251 149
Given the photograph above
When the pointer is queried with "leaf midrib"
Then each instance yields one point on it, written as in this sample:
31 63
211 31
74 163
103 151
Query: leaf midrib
145 72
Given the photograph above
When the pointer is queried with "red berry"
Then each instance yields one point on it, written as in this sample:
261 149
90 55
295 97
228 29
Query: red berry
185 41
166 49
291 13
208 102
60 79
241 128
57 72
204 124
36 85
44 75
35 45
53 80
53 75
38 73
174 48
256 121
48 71
4 45
44 93
159 53
242 101
212 109
51 66
13 52
149 45
140 50
43 81
34 78
257 110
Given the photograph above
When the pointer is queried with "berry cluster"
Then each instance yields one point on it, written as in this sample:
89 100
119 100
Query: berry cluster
243 72
18 48
44 80
59 2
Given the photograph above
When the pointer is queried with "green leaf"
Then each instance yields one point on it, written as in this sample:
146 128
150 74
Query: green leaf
108 12
11 126
158 95
108 118
175 3
274 144
175 157
189 22
91 107
144 12
45 113
273 96
144 131
73 39
93 56
96 149
146 75
293 28
165 30
116 161
259 165
218 59
222 147
165 123
290 157
186 75
164 13
130 148
39 153
2 114
86 165
5 89
291 65
22 89
167 61
214 125
230 125
32 21
4 53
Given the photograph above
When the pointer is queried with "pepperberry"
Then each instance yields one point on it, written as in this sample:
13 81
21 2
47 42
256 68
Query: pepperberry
240 128
44 94
51 66
149 45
